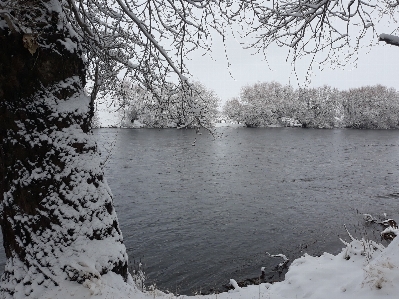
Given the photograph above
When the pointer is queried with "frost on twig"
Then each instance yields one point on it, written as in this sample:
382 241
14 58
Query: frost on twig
391 230
369 248
362 247
369 218
139 276
283 264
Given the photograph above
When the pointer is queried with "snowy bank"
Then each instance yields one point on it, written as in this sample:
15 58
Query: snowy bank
228 124
363 269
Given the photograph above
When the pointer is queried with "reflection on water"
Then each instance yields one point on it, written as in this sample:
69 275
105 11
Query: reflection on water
197 216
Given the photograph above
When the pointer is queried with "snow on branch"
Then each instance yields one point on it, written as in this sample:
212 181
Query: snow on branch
144 42
389 39
285 261
313 26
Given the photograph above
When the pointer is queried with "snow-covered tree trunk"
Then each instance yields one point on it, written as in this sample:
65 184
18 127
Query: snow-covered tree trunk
57 215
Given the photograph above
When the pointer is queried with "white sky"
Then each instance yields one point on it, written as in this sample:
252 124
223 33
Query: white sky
376 66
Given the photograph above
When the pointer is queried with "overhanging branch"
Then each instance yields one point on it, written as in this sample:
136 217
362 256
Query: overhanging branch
389 39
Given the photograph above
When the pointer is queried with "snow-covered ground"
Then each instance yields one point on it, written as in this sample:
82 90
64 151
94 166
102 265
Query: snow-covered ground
363 269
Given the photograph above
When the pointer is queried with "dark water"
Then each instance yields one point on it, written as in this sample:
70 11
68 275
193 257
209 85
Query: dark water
197 216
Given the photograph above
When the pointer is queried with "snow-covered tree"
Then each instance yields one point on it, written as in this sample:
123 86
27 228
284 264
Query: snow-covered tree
271 103
371 107
233 109
133 102
263 103
318 107
57 216
170 108
193 110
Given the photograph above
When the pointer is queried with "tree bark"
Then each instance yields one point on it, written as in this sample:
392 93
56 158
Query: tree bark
57 215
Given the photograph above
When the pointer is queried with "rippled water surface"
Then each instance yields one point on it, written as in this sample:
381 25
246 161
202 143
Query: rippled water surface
197 216
198 210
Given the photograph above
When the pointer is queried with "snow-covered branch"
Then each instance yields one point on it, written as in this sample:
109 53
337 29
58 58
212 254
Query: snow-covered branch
310 27
389 39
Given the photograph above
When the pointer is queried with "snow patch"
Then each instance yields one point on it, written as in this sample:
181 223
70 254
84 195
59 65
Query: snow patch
68 44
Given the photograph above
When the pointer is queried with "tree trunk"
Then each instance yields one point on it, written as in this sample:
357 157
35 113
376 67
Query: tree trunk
57 215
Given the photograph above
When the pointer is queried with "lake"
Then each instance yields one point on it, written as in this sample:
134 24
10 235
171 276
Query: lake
197 210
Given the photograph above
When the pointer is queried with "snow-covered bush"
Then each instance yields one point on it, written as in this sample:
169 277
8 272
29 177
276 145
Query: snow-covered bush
371 107
169 107
262 104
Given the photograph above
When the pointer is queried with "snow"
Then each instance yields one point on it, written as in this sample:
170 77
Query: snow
234 284
3 24
357 271
133 65
85 241
69 44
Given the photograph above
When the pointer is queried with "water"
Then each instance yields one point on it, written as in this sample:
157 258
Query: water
196 216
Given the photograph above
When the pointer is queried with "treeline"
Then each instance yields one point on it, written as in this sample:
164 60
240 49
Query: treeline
270 103
173 108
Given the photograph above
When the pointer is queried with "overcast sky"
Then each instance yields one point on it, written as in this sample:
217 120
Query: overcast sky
375 65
